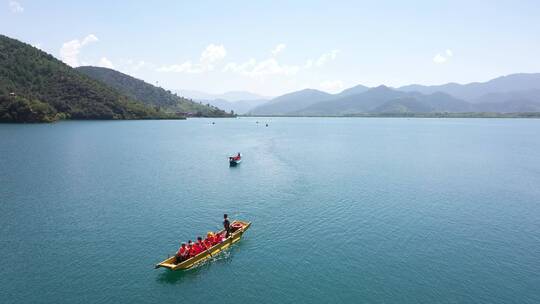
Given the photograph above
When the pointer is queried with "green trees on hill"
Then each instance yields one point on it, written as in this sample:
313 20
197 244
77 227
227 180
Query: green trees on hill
36 87
149 94
20 109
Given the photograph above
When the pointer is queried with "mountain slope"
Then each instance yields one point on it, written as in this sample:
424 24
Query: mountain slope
357 103
420 103
530 95
383 99
291 102
473 91
149 94
353 91
36 87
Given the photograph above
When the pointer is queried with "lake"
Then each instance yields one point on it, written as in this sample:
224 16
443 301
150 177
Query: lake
355 210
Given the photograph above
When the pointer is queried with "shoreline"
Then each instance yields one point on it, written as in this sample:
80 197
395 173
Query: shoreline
415 115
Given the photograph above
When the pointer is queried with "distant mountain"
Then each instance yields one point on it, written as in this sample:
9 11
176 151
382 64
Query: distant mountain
354 90
36 87
512 106
383 99
149 94
420 103
530 95
230 96
473 91
239 107
509 102
292 102
357 103
508 94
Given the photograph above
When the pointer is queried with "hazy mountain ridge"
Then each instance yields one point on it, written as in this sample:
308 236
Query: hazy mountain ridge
473 91
507 94
291 102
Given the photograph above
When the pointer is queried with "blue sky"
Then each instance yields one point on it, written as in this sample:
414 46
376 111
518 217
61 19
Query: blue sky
274 47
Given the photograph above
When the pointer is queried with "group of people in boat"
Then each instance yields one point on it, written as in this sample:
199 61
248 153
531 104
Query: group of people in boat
236 157
192 249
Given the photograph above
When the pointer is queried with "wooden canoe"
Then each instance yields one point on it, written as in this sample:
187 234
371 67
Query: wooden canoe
209 253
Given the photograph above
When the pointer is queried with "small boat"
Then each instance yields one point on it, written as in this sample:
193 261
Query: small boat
239 227
235 160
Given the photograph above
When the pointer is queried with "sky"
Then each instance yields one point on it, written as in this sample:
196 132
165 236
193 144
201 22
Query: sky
275 47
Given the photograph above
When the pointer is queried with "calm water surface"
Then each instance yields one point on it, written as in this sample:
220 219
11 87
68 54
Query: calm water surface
351 210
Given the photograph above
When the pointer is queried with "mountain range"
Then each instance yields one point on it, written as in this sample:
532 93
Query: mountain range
514 93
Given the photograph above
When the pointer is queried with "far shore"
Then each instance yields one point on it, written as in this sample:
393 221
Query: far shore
416 115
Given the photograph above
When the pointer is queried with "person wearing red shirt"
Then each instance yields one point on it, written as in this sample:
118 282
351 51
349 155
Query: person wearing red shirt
182 254
208 243
192 249
218 238
210 239
196 249
201 244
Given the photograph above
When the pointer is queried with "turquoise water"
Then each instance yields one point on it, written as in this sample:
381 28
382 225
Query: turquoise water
351 210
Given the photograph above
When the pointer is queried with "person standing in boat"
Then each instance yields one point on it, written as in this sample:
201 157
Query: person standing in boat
226 225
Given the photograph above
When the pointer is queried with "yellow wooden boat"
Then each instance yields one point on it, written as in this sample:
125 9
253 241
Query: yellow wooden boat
170 263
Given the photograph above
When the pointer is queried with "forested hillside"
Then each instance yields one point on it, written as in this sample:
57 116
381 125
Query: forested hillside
36 87
149 94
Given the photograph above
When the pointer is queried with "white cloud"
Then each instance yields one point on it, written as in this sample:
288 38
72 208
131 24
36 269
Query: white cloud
15 7
251 68
322 60
186 67
69 53
278 49
271 66
209 56
240 68
88 39
439 58
444 57
254 68
326 57
308 64
332 86
213 53
105 63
